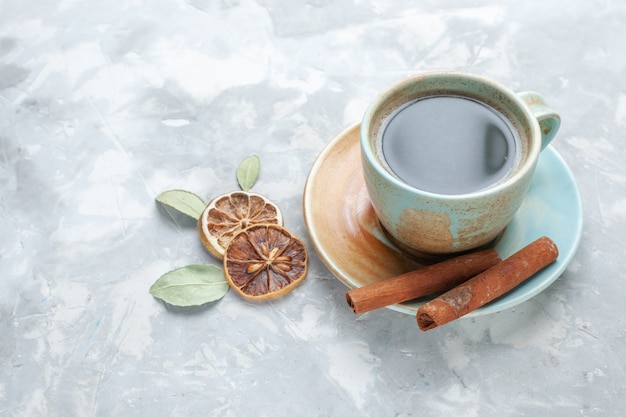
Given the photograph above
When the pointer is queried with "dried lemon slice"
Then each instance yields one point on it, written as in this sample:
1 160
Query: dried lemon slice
265 261
228 214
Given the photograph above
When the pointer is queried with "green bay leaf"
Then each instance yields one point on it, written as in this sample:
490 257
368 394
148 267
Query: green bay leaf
183 201
192 285
248 172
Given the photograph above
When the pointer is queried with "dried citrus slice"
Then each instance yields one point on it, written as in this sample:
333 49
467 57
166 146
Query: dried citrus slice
229 214
265 261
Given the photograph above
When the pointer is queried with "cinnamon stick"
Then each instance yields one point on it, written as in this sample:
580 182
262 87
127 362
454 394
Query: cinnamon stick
488 285
428 280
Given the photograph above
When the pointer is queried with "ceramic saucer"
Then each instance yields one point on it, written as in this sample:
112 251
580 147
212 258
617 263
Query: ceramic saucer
348 238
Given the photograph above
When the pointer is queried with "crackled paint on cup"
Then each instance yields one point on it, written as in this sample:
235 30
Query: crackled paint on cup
425 223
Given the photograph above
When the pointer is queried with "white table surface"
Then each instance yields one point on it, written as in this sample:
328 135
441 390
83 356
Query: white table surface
103 105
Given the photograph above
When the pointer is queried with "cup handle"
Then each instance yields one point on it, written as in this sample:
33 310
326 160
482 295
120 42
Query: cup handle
549 120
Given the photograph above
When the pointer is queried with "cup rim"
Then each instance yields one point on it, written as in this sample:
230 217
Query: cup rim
525 168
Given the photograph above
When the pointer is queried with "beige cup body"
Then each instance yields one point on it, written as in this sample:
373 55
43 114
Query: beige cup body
426 223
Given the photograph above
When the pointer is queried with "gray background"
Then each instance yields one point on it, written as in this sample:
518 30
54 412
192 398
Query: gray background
105 105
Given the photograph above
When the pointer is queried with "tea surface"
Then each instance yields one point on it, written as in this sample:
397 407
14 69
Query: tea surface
449 145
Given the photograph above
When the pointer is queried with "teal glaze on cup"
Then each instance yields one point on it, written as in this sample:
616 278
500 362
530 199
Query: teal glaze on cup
429 224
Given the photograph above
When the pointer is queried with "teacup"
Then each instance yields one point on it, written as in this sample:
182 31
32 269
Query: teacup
448 157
